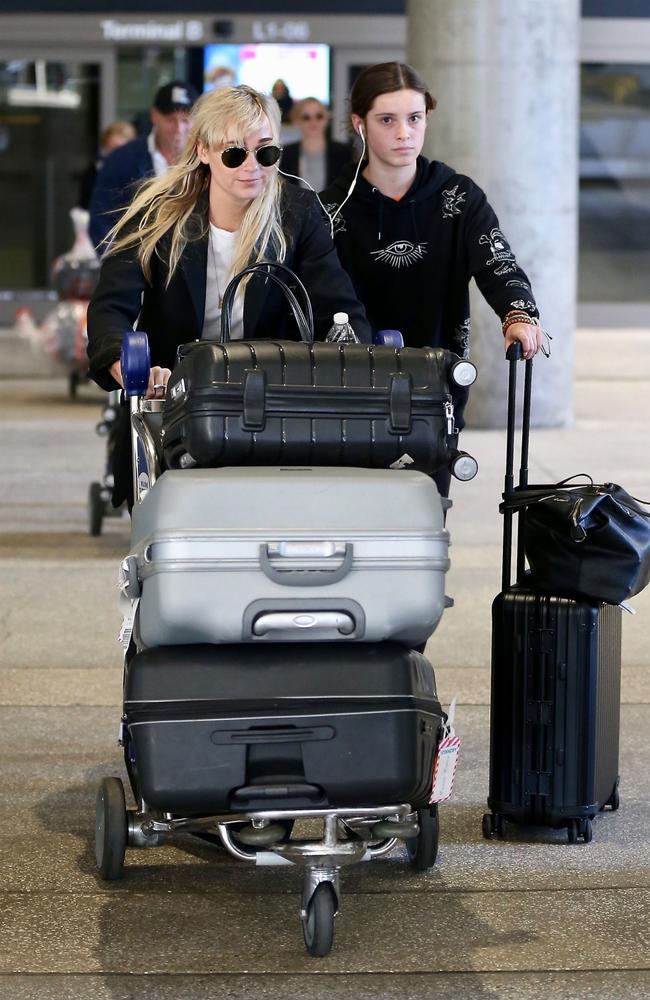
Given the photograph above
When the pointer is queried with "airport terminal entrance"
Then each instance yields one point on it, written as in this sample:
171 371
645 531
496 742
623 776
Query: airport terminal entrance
49 120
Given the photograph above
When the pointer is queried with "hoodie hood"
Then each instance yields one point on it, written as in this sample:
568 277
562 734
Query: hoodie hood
430 175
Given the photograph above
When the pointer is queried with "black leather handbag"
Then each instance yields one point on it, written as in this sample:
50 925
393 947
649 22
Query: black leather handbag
590 541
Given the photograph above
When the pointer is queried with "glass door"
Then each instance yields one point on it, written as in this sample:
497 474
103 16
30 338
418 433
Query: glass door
49 123
614 260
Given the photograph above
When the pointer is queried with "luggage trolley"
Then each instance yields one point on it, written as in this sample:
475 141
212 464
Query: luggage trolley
253 833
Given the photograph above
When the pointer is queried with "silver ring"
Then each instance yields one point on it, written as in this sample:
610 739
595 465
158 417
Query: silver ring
160 386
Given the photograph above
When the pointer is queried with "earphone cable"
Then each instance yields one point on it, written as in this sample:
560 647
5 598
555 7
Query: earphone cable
350 189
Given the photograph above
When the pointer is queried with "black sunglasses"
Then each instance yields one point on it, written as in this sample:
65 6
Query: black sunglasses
266 156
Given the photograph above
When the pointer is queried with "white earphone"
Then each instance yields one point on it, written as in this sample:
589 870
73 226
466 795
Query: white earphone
350 189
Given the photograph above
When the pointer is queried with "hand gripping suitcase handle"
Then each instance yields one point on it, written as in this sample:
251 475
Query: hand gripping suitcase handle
316 577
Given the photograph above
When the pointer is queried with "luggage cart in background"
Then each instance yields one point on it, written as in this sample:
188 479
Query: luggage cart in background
99 493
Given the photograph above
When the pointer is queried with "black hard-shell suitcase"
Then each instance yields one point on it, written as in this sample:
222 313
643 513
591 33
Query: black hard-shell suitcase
555 704
231 728
294 403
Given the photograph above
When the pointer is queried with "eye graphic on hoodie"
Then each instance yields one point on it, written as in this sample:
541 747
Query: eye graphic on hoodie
401 253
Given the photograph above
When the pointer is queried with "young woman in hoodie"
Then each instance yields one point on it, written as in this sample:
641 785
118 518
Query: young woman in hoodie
412 232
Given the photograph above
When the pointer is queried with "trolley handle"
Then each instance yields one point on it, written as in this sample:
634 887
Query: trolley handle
135 360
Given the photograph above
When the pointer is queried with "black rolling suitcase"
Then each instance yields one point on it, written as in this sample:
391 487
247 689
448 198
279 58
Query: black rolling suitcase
293 403
311 725
555 703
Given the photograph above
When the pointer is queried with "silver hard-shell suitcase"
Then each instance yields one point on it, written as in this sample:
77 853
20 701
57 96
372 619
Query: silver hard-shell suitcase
271 554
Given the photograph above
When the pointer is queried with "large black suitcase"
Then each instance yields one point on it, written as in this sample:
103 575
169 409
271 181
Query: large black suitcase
294 403
555 704
230 728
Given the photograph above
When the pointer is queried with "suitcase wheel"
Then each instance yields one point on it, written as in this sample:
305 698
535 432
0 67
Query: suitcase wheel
423 849
318 922
487 825
494 823
111 828
614 800
579 828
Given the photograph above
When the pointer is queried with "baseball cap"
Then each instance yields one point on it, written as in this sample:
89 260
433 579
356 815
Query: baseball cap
174 96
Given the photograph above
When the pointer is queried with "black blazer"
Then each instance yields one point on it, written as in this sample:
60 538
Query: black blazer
337 155
174 315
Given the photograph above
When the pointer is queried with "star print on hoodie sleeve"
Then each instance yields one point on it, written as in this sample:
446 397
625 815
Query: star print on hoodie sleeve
491 260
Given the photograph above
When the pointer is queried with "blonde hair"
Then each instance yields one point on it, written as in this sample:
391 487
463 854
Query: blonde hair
117 130
167 204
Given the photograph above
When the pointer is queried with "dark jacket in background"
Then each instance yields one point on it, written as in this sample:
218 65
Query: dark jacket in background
411 260
87 182
115 185
337 155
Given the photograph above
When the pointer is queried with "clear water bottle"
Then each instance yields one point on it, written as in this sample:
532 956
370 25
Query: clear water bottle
341 331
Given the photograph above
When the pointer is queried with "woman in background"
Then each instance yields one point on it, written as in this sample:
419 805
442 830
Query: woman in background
114 135
316 158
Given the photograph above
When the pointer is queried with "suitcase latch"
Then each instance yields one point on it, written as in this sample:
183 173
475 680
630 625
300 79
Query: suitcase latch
400 403
253 415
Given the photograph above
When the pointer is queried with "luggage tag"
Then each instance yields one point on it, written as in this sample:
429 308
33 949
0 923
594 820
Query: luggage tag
402 462
446 760
126 629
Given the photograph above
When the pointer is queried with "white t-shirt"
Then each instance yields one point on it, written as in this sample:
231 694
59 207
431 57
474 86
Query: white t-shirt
221 253
160 165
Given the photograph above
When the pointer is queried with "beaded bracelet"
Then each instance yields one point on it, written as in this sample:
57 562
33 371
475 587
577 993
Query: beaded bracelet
521 313
513 318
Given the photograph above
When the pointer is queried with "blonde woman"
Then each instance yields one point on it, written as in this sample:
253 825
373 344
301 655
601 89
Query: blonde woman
186 233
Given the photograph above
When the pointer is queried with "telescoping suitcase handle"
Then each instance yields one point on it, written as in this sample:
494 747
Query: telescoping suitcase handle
513 355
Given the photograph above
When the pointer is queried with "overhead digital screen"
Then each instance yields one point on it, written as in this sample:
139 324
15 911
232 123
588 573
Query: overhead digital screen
305 69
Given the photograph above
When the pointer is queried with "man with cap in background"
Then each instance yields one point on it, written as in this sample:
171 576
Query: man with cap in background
141 158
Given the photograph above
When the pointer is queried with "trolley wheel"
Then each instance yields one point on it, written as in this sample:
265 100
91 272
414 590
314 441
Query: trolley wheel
487 825
96 509
572 831
423 849
500 825
111 828
614 800
288 825
586 830
318 925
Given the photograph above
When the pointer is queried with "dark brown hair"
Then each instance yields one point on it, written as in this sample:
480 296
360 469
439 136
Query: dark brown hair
385 78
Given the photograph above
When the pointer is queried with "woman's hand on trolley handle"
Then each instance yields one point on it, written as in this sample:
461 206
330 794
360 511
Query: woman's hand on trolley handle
158 379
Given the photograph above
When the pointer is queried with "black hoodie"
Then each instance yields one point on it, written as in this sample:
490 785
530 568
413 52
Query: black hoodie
411 260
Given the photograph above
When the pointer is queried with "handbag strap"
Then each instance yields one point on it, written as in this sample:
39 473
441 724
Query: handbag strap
305 323
519 499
